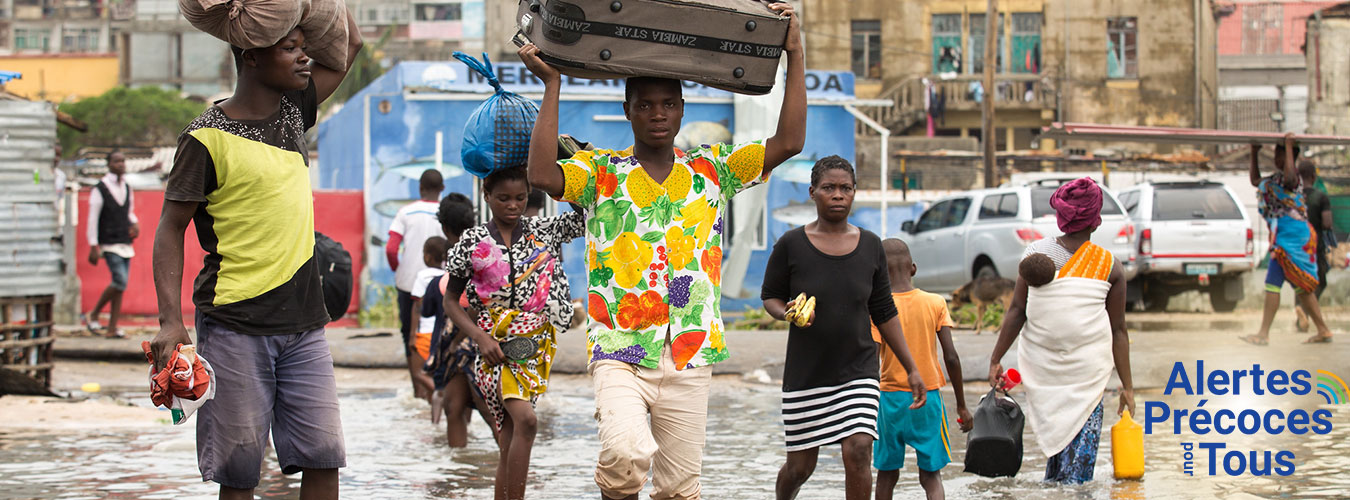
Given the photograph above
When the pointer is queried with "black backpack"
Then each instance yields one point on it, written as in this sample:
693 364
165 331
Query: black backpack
335 274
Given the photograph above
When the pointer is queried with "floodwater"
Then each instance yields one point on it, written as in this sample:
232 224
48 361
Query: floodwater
395 453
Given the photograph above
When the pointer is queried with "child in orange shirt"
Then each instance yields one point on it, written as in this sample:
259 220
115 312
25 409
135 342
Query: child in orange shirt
926 322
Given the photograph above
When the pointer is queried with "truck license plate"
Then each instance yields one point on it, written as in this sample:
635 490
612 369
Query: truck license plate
1201 269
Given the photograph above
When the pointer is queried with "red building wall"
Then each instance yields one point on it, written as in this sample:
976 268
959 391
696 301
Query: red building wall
337 214
1293 16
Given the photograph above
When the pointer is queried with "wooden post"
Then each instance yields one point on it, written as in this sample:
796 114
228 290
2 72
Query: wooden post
990 61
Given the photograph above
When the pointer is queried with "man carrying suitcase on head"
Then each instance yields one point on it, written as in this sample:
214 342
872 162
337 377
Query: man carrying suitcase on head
654 251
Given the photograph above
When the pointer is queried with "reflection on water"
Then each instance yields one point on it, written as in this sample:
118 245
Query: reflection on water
393 452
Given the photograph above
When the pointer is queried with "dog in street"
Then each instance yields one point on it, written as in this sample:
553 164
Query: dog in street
982 292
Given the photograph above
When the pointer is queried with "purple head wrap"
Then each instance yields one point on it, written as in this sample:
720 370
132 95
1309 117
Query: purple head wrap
1078 205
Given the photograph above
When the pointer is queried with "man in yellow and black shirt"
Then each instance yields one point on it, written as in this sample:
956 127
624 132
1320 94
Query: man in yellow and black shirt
241 175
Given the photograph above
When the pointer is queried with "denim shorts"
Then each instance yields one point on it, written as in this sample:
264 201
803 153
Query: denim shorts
282 384
118 266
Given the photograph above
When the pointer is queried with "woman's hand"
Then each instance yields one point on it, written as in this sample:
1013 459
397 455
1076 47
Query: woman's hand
488 348
793 42
809 321
1126 402
995 374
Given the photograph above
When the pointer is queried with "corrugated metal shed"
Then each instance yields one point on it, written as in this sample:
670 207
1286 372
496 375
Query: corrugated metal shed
30 261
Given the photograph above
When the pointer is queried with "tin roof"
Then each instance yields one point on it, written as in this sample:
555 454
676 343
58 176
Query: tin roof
1178 135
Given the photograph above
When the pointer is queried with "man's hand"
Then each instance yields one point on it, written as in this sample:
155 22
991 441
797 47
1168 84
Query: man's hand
530 55
793 43
93 254
918 389
995 374
134 231
1126 402
964 419
165 341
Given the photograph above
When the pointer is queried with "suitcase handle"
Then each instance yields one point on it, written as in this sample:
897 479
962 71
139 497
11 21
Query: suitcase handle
536 6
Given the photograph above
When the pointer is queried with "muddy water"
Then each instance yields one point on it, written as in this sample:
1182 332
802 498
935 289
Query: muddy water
393 453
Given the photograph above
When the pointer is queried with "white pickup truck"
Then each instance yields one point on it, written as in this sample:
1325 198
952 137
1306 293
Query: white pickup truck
984 232
1193 235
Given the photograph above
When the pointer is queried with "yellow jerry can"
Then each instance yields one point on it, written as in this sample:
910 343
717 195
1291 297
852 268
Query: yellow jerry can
1127 448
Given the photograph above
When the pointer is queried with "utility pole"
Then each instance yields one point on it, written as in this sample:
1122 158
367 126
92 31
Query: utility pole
988 137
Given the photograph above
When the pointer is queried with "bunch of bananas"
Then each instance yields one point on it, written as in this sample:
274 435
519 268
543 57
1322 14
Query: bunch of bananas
802 311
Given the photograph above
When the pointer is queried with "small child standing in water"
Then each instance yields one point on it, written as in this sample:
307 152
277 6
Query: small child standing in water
926 323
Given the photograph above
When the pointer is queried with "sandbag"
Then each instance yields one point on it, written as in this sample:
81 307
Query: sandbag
733 45
994 446
247 24
497 135
325 27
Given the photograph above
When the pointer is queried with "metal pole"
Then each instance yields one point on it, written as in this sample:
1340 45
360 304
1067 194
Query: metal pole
990 61
904 180
439 141
885 157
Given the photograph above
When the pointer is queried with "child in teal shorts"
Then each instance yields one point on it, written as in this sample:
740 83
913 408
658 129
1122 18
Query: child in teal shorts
926 322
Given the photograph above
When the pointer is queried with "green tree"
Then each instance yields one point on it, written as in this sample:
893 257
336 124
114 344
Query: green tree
135 117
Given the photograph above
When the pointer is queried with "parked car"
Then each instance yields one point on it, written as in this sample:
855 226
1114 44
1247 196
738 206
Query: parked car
1193 235
984 232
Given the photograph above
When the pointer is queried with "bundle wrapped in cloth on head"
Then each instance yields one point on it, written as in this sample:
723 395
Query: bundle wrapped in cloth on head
255 24
1078 205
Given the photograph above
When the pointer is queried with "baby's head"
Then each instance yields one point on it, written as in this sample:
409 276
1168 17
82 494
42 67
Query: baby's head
433 252
1037 269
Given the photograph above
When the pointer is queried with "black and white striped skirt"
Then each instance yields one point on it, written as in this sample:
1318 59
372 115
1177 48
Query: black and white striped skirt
826 415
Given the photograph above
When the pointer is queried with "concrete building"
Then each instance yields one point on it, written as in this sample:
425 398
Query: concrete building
158 47
429 30
1263 81
1127 62
1328 35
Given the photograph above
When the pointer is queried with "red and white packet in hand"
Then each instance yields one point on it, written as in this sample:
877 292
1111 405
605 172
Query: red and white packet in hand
185 384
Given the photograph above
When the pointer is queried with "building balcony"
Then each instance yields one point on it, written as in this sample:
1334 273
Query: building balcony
961 93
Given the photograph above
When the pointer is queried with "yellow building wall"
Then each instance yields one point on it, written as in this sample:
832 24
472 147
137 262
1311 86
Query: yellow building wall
61 78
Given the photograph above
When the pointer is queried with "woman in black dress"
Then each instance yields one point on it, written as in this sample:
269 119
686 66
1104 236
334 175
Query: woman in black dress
830 381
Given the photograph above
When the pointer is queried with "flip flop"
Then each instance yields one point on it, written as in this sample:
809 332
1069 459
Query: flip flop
1255 340
1318 339
116 334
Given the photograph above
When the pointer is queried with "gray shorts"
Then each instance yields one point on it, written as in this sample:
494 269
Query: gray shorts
279 383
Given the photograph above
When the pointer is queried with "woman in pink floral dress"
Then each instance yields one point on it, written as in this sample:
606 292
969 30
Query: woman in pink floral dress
510 272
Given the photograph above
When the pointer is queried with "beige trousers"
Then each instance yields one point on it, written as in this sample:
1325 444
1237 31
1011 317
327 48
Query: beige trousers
671 446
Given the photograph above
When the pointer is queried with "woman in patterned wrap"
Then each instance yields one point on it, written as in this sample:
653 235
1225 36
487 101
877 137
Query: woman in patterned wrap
510 272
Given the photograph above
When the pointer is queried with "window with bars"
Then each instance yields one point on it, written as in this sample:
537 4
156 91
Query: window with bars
32 39
867 49
80 39
1261 30
1122 47
438 12
946 30
976 45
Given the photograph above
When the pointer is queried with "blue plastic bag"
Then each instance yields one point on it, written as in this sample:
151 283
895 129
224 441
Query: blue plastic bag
497 135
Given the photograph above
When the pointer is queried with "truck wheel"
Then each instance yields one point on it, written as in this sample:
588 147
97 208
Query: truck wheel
1155 299
986 271
1220 302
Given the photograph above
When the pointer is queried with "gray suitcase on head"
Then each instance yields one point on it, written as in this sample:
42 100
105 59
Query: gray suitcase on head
732 45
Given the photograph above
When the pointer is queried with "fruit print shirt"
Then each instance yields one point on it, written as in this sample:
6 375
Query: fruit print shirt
654 250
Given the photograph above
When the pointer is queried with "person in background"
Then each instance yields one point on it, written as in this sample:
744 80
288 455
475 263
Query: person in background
1280 200
412 226
453 355
112 226
535 204
241 176
1319 215
433 256
926 323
